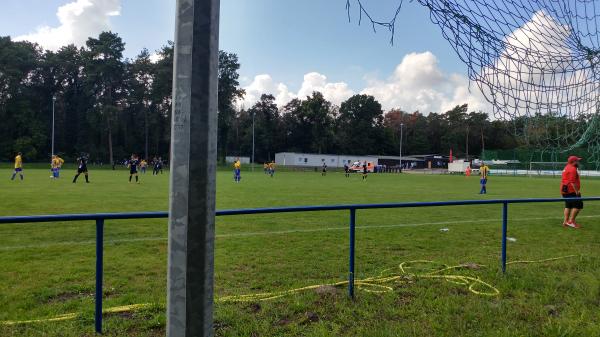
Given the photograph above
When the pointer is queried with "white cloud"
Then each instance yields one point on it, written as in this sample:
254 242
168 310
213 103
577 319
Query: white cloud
78 20
419 84
264 84
416 84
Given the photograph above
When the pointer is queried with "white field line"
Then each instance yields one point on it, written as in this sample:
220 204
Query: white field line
279 232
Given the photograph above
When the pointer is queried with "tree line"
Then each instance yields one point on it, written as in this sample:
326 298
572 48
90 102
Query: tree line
110 106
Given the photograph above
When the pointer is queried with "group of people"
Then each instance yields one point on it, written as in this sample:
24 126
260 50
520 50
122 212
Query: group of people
134 164
269 168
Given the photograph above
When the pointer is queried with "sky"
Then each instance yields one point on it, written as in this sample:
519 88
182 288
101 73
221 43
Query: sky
286 47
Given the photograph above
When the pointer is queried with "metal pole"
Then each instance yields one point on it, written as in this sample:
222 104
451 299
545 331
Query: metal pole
53 100
504 227
253 113
193 170
401 127
352 240
99 273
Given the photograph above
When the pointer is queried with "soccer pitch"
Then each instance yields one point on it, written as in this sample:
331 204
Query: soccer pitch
47 269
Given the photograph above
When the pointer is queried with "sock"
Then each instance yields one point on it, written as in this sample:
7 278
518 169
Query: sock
13 176
130 178
21 176
136 179
75 179
86 179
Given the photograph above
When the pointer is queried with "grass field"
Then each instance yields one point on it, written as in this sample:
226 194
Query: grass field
47 270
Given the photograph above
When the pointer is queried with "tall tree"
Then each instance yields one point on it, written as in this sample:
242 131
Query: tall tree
229 92
104 78
360 125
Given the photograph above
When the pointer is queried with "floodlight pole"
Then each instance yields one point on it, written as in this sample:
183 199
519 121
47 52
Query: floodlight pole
193 170
401 127
253 113
53 101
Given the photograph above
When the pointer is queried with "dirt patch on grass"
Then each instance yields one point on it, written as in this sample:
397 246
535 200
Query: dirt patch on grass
327 290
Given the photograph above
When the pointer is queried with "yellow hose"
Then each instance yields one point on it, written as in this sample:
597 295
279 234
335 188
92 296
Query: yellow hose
378 284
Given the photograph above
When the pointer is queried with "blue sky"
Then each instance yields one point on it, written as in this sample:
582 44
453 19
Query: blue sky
282 40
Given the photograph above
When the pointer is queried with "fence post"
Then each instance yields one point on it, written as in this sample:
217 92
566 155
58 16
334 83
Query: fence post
351 274
504 227
99 273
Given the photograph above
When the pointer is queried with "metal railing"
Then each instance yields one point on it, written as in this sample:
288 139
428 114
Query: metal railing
99 218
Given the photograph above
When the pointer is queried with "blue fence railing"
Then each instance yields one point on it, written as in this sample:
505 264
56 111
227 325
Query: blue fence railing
99 218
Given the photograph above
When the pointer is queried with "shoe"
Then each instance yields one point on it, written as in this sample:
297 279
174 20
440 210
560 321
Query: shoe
572 225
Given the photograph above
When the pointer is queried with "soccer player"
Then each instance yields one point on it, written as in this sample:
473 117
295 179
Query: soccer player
365 171
570 187
484 170
272 168
324 172
266 168
143 166
81 168
55 165
347 170
237 176
18 166
133 166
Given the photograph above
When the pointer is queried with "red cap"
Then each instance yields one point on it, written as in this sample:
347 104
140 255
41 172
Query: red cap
573 159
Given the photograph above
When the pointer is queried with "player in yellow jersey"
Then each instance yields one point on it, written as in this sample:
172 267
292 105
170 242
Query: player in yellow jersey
237 173
272 168
55 165
18 166
484 170
143 166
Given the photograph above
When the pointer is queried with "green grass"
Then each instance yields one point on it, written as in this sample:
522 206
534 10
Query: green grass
48 269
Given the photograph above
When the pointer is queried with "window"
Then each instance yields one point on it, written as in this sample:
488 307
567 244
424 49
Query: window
306 160
332 160
299 159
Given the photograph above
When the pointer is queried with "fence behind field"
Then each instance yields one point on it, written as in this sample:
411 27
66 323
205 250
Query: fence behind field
100 218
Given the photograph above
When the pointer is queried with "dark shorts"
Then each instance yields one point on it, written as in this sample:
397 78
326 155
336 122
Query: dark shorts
133 171
572 203
18 169
483 181
82 170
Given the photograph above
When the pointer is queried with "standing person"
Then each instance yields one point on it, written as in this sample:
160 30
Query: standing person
266 168
237 171
365 170
55 166
160 165
81 168
18 166
570 187
324 172
468 171
143 166
272 169
133 168
155 166
346 170
483 172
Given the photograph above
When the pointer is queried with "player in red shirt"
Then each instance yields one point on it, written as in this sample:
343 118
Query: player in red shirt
570 187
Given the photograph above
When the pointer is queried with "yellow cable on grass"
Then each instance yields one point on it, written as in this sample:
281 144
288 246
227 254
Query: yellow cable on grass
378 284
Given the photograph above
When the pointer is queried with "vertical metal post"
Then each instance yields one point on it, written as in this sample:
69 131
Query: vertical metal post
504 227
53 101
99 273
352 240
253 113
401 134
193 170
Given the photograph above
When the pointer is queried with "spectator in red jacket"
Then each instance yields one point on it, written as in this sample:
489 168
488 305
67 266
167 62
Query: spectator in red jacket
570 187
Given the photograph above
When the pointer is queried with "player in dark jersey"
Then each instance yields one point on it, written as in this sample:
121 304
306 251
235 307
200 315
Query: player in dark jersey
134 163
347 170
82 168
365 171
